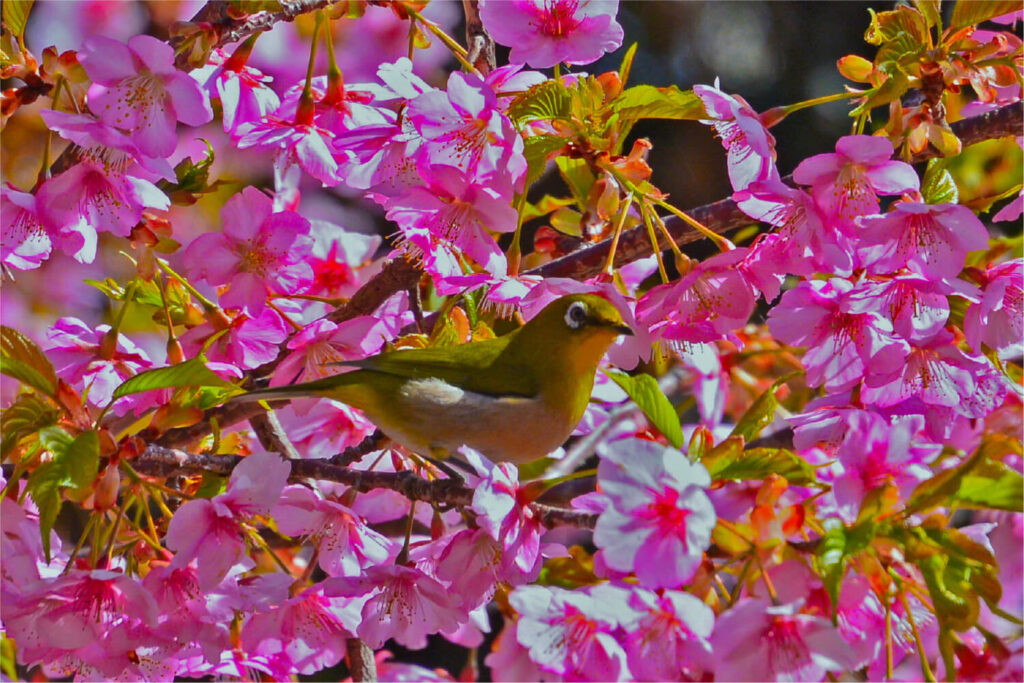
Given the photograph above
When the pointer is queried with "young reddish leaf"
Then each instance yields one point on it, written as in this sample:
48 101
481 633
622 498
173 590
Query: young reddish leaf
22 359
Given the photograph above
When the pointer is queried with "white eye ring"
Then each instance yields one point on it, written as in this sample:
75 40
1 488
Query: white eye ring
576 315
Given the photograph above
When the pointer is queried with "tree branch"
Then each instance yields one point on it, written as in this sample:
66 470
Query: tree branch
158 461
481 45
216 17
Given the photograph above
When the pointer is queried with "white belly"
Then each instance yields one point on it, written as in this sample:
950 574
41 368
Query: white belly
443 417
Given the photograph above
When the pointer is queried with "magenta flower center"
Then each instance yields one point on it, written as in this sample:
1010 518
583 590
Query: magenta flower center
666 512
787 651
579 630
558 18
332 275
96 599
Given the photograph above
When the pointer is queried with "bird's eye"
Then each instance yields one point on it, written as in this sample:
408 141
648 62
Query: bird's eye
576 315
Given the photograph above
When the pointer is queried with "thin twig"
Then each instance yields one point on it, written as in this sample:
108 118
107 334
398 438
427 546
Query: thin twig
158 461
272 435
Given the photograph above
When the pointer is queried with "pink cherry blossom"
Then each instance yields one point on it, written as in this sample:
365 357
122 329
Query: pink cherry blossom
707 303
337 257
756 641
310 630
1012 211
457 210
751 148
930 239
248 343
463 127
259 252
997 320
210 530
938 373
137 88
321 346
106 191
846 183
667 634
347 546
844 335
404 604
326 429
503 511
60 618
810 243
570 633
87 198
93 363
879 455
509 661
25 242
660 518
244 94
471 565
543 33
918 306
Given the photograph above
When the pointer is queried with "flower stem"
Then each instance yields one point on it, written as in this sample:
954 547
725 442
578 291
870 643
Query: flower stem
207 305
653 237
610 263
335 94
460 53
722 243
305 109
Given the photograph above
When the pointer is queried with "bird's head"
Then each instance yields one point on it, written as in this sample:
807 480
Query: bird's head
575 324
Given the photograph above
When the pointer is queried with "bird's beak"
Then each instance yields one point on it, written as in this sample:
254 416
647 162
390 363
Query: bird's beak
623 328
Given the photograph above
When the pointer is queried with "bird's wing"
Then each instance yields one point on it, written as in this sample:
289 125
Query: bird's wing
468 366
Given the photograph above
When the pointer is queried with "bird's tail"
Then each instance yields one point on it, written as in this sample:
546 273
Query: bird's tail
326 387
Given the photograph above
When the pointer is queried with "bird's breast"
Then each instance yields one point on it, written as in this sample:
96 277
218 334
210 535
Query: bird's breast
436 415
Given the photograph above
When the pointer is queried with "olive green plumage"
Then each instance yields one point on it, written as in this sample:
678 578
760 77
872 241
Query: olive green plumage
514 398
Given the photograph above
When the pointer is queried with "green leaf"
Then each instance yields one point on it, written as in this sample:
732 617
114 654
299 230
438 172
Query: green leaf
191 373
981 481
211 485
193 179
758 463
536 150
968 12
647 395
543 102
761 413
535 469
831 558
577 175
82 459
938 186
44 486
22 359
15 16
649 102
991 485
55 440
627 64
27 415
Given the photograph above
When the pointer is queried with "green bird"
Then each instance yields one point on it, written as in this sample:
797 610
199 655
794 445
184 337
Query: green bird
514 398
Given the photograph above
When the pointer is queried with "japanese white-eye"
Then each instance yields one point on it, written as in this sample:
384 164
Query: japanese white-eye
514 398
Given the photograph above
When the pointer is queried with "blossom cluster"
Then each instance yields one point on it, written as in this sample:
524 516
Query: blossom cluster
873 327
